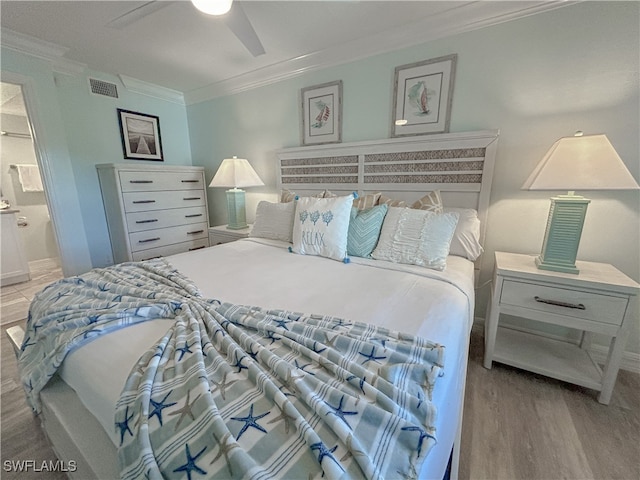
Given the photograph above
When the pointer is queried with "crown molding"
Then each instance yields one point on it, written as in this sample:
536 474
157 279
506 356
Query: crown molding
151 90
47 51
458 19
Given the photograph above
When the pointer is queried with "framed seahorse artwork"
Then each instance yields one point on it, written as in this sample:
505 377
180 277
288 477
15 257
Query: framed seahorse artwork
422 96
322 113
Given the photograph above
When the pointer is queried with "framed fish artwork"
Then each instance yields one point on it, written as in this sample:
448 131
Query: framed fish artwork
422 96
322 113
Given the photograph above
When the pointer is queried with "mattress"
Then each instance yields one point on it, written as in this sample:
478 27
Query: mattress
411 299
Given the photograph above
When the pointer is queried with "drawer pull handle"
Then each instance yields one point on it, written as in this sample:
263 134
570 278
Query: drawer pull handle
151 220
149 240
144 201
191 198
195 232
140 181
190 181
193 215
557 303
196 248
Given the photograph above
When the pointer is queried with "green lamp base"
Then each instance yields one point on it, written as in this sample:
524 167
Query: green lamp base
562 236
237 219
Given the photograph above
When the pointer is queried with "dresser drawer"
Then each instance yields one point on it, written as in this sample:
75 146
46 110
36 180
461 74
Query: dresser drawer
564 301
160 181
150 220
170 250
167 236
145 201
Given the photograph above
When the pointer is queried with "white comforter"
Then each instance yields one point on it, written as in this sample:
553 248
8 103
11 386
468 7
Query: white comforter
436 305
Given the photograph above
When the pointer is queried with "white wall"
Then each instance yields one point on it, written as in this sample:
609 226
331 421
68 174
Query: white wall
37 236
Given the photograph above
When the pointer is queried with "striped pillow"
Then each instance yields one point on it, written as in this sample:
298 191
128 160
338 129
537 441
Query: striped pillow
364 230
367 201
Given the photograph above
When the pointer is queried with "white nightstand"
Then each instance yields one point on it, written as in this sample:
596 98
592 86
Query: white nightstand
597 300
222 234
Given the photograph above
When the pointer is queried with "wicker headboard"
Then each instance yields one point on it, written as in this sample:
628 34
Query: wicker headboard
460 165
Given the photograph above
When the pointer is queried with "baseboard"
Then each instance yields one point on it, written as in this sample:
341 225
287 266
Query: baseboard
44 264
630 360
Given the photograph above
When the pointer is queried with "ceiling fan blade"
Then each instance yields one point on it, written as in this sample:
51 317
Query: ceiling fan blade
239 24
136 14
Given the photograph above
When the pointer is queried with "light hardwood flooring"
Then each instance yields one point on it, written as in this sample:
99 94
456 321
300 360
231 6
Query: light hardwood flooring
517 425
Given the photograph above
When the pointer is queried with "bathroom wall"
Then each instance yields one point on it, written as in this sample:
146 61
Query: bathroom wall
37 236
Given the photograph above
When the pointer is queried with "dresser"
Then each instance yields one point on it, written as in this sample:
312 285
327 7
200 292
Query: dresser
154 210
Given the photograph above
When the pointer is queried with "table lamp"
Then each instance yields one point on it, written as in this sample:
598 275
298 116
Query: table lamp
236 173
581 162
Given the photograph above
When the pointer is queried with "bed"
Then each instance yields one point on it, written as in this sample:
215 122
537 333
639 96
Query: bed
359 299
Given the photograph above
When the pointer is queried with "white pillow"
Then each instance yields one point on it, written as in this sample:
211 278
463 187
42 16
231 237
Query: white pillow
274 220
466 239
416 237
320 226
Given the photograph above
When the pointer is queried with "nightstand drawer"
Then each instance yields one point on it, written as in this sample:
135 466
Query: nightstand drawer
563 301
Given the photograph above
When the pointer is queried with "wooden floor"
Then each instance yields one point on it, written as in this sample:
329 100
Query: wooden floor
517 425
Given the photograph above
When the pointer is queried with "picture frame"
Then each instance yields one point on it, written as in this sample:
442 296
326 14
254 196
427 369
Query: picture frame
422 96
322 113
140 134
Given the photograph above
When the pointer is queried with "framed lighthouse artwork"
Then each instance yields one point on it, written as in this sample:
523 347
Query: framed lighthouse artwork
140 135
322 113
422 96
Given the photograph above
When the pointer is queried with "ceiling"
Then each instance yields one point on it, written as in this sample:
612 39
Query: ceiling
179 48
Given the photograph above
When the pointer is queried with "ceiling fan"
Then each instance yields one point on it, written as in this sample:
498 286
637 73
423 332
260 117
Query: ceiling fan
234 17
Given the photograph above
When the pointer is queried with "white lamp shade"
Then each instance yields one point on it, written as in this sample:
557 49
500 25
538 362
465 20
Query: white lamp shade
236 173
586 162
213 7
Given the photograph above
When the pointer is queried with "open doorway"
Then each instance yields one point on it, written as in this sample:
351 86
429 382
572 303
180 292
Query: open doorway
22 193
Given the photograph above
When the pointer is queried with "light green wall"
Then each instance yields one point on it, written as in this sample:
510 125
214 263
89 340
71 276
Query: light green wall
82 130
93 136
536 79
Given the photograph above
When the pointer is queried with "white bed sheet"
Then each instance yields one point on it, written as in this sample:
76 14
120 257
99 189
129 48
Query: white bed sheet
435 305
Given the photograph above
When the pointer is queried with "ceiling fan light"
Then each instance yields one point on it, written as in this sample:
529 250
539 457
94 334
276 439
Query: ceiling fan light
213 7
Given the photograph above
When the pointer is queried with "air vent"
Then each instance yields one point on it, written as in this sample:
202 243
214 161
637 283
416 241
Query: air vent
100 87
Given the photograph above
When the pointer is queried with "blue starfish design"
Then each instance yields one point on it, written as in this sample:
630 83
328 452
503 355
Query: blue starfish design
175 306
124 425
184 349
361 381
159 406
423 435
103 288
239 364
218 330
26 344
371 356
93 318
191 463
29 386
340 413
323 451
316 349
282 323
159 352
151 296
35 325
302 367
117 298
78 280
60 295
270 336
340 323
253 354
250 421
420 399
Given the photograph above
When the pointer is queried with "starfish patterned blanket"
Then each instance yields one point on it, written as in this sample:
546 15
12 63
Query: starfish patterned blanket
241 392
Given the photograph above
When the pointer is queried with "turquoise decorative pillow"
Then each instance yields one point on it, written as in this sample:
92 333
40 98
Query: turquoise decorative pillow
364 230
320 226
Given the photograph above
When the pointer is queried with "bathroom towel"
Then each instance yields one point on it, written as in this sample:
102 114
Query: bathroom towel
29 176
